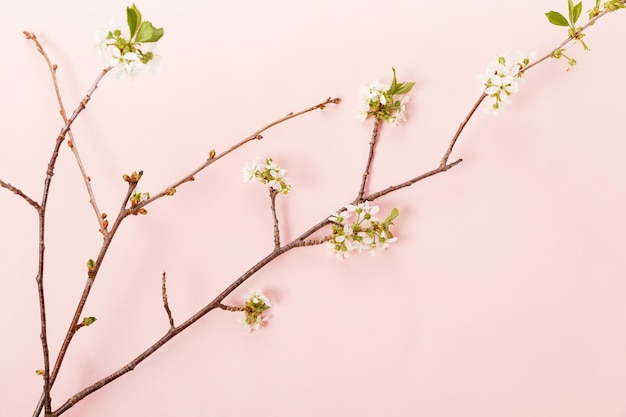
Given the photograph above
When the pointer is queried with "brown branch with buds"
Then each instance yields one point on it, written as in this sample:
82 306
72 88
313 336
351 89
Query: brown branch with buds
72 141
304 240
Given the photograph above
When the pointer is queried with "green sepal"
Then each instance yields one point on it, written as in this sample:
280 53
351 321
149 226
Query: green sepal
133 16
148 33
557 18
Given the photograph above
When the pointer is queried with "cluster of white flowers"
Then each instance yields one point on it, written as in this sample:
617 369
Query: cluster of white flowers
501 79
131 50
128 61
385 102
256 304
364 232
269 173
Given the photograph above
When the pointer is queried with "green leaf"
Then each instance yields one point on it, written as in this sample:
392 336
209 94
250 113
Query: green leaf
148 33
404 88
88 321
394 81
91 265
392 216
557 18
133 16
577 10
570 9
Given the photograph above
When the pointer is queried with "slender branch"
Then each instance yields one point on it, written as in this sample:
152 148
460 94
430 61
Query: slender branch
19 192
273 194
300 241
446 155
569 39
215 157
165 303
125 212
72 141
48 378
230 308
370 159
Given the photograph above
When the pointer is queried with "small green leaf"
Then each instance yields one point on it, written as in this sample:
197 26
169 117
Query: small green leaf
91 265
88 321
133 16
570 10
577 10
392 216
404 88
394 81
557 18
148 33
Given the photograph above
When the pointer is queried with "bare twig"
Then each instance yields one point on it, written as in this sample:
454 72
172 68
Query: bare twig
19 192
370 159
72 141
166 305
273 194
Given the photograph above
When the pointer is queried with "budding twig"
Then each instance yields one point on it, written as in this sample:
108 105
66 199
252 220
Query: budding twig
19 192
214 157
72 141
165 303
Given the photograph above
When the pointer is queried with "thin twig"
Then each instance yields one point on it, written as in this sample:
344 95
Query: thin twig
370 159
19 192
166 305
230 308
568 40
273 194
215 157
72 141
446 155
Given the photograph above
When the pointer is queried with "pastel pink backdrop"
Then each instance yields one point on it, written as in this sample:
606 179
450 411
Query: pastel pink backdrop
504 295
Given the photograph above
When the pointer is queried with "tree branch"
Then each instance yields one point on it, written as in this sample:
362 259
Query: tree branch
370 159
165 303
273 194
18 192
72 141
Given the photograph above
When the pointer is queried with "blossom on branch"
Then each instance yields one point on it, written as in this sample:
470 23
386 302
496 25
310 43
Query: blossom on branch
501 79
130 51
269 173
256 304
385 102
365 233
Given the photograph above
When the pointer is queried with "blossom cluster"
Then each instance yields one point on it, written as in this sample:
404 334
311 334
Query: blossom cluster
501 79
256 304
133 50
385 102
269 173
355 228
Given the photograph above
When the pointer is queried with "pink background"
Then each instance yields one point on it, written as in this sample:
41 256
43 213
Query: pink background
504 295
